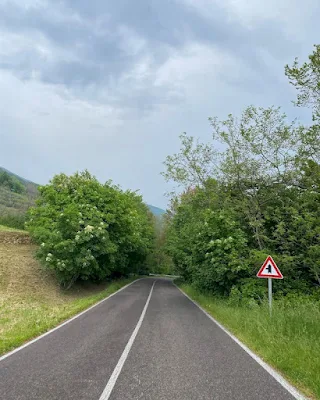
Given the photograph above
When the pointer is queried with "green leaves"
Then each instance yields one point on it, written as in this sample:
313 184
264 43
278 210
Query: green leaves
193 165
88 230
252 191
306 79
205 242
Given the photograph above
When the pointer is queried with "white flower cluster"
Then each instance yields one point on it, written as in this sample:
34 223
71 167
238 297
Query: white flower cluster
88 258
89 228
62 264
49 257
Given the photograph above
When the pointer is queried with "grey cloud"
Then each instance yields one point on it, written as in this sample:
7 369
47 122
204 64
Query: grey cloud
108 85
93 40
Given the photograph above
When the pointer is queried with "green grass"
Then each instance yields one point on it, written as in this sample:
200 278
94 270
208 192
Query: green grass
289 341
21 321
31 301
8 229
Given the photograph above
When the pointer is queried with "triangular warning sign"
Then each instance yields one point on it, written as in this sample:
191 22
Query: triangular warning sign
269 269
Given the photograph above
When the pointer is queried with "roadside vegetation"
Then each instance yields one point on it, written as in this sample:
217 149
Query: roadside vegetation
31 301
88 231
289 341
4 228
84 240
254 191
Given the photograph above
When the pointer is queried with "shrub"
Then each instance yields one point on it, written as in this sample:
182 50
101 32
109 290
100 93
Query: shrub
87 230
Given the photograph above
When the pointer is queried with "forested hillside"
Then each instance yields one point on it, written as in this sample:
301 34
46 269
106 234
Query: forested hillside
16 196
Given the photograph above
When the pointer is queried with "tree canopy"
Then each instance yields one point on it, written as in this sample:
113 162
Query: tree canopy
252 191
90 231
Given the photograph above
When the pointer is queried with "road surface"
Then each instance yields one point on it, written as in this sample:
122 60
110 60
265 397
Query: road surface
148 341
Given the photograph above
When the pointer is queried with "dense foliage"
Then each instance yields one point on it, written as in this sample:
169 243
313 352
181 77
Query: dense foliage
253 191
159 261
90 231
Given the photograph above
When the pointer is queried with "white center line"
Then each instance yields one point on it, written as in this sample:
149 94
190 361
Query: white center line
116 372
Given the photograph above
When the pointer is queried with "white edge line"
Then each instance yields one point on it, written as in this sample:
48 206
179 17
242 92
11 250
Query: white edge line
117 370
283 382
66 322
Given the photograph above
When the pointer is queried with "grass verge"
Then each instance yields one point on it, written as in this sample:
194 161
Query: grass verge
289 341
32 303
7 229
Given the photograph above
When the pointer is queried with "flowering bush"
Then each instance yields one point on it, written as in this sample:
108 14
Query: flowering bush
87 230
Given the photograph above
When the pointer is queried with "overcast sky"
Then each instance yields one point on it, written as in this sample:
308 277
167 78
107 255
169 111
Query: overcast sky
109 85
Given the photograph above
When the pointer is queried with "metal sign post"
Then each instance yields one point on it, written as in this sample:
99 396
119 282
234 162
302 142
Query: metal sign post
269 270
270 295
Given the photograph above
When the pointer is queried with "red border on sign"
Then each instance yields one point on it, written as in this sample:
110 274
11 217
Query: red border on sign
277 276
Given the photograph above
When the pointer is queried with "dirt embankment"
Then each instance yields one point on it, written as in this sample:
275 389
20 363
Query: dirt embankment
14 237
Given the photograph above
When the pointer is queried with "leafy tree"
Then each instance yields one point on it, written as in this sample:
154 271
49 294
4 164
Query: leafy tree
206 242
159 261
306 79
88 230
193 165
259 150
262 196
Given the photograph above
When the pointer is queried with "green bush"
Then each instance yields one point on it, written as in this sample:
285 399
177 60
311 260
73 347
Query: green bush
248 291
90 231
219 251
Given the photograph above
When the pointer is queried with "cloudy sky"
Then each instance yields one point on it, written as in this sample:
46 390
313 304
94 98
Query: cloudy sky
109 85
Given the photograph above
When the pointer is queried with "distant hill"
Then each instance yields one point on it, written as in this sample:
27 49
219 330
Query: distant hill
23 180
30 188
14 204
16 196
156 211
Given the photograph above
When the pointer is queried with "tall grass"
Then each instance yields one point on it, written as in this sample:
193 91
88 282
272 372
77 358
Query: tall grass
289 340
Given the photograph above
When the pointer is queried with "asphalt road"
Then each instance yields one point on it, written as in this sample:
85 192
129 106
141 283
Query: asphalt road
142 343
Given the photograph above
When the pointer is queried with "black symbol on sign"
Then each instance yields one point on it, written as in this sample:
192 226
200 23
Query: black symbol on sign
269 268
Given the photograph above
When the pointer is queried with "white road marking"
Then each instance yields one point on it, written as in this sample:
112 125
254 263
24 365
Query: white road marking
292 390
65 323
116 372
